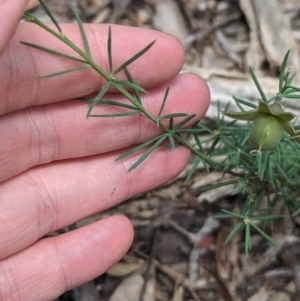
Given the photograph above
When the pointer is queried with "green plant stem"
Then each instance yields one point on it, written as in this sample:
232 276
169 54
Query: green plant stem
262 175
29 18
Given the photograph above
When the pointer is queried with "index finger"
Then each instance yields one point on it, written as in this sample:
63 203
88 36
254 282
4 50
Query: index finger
10 14
21 64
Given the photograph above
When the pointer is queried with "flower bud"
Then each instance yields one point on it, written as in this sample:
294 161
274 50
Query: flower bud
266 131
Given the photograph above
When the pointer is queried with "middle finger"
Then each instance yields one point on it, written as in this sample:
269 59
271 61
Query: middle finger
51 196
43 134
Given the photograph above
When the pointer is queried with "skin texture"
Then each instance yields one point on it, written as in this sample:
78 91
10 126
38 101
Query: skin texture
57 167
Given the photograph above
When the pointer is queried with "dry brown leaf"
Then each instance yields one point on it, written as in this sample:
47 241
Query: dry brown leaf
129 289
178 293
121 269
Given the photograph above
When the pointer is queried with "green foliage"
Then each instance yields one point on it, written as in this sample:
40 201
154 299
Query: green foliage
263 159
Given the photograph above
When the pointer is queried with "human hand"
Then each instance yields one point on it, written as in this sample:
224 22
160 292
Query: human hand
58 168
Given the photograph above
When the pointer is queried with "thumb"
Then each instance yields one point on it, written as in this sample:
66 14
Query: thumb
10 15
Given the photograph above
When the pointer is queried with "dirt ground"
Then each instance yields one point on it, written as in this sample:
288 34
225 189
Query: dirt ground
178 252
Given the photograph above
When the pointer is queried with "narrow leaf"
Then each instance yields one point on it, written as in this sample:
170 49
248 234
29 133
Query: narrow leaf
147 153
288 91
97 98
296 212
172 142
164 101
192 170
270 172
114 103
183 122
239 189
294 88
235 229
171 123
190 131
217 185
116 114
174 115
265 235
82 32
292 96
53 52
48 12
139 147
263 157
135 57
213 145
136 92
199 143
262 94
244 102
233 214
290 79
223 216
247 239
267 217
129 84
282 70
282 172
109 51
63 72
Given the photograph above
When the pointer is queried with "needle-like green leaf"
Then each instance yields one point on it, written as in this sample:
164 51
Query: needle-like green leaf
199 143
258 86
134 58
283 173
192 170
172 142
109 51
82 32
129 84
247 239
235 229
115 114
217 185
136 91
213 146
48 12
164 101
296 212
148 152
292 96
263 234
190 131
294 88
244 102
97 99
183 122
289 90
290 79
64 72
174 115
113 103
69 57
232 214
139 147
282 71
267 217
